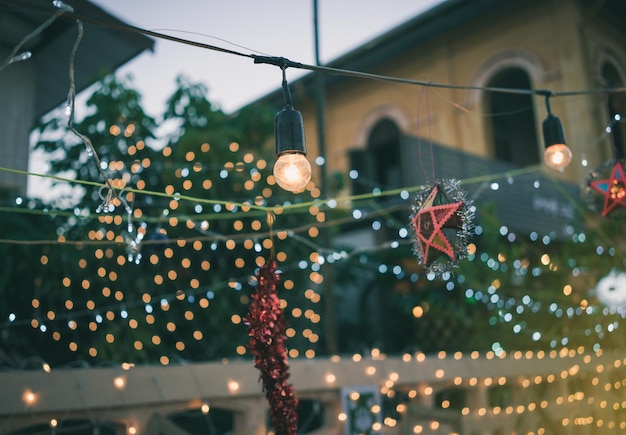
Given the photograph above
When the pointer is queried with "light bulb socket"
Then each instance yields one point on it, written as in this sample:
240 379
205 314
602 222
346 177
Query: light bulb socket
289 131
557 154
553 131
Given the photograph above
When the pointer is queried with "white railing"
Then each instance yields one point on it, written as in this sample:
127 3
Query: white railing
568 391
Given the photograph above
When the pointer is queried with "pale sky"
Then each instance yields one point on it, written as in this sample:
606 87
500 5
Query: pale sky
275 27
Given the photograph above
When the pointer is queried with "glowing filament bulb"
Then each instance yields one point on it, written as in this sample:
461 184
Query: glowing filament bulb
292 171
558 156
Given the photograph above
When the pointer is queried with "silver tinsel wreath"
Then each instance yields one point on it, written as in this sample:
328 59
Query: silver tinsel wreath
450 188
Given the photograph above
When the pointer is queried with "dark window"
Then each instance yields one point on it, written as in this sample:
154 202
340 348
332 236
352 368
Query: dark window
514 133
384 147
379 165
615 106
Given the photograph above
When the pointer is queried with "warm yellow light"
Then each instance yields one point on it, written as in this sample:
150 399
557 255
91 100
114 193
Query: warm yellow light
205 408
29 397
557 156
119 382
233 386
292 171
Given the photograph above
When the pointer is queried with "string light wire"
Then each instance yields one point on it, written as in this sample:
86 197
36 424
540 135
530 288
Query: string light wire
262 210
283 62
107 192
287 206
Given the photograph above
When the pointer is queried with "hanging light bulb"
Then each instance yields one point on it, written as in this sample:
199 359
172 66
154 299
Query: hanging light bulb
292 170
557 154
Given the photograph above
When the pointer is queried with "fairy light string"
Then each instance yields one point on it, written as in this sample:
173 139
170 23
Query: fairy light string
14 56
248 208
172 296
129 303
285 207
107 192
400 391
252 210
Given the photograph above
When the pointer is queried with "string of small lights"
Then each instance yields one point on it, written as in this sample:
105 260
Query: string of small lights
603 373
238 209
195 290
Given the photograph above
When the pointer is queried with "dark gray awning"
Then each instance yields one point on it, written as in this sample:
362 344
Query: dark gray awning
101 51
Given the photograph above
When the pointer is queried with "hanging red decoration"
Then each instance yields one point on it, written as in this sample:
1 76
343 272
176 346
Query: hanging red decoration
441 206
266 327
613 189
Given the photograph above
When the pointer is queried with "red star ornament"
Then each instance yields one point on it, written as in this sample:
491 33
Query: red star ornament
430 221
613 189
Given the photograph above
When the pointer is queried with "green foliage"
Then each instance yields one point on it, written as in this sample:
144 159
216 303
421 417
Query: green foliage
187 296
510 294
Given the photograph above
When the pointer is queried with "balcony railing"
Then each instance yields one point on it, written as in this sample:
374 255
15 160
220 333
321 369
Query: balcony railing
566 392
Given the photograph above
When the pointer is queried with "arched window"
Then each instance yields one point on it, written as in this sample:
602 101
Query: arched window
378 166
615 106
512 116
383 146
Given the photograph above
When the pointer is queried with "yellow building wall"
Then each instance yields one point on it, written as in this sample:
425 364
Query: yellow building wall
555 41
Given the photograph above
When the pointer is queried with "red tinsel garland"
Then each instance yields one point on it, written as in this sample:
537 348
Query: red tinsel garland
266 327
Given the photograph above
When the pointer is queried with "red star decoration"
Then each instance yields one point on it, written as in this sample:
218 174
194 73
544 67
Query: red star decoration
613 189
430 221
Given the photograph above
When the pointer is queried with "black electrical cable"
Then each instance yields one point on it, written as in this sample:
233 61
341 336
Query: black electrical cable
287 63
